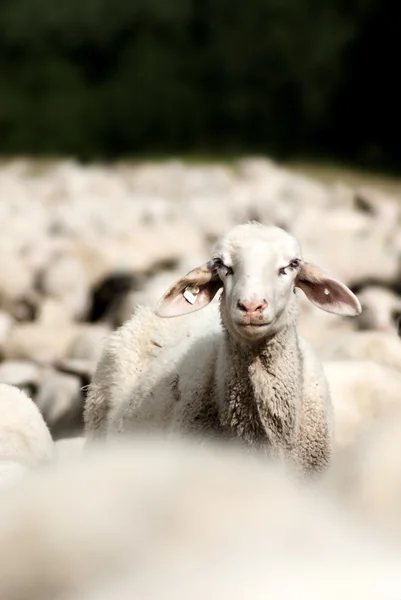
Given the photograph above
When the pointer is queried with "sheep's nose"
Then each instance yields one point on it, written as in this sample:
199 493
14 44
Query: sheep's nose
250 307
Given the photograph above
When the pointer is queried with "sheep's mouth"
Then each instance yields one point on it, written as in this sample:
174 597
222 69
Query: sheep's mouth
253 331
254 325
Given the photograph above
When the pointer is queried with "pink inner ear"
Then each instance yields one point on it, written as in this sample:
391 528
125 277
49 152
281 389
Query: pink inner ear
174 303
327 293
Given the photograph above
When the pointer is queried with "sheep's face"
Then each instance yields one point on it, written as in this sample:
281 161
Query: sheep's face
257 268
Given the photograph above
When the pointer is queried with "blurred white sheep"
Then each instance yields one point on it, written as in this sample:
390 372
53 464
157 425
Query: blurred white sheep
25 441
152 519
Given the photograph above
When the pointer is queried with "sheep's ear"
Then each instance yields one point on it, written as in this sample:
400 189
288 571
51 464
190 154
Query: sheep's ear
190 293
327 293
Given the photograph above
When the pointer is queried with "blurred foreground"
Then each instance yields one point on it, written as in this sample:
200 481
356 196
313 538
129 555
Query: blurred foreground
154 520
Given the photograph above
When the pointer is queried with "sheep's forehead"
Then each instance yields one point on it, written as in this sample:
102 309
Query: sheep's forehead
251 242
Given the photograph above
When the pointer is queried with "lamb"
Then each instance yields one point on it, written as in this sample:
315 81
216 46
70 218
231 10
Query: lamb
249 378
25 440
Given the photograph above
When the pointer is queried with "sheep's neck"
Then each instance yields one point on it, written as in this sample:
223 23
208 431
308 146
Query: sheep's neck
262 390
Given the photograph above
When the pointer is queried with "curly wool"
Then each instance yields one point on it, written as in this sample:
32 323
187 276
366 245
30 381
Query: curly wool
198 380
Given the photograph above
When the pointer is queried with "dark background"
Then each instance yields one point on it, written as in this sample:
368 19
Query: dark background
111 78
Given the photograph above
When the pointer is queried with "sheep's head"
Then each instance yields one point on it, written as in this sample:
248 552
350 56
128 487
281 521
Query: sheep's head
258 268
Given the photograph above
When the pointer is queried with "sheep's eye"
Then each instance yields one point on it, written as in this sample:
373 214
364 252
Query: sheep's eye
294 264
219 265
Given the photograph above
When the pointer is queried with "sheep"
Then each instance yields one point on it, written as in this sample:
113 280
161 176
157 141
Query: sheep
361 391
250 378
379 346
185 521
25 440
366 249
381 309
59 400
65 280
366 474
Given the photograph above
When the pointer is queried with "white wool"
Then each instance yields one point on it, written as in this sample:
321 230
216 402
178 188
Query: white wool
381 309
149 519
381 347
361 391
24 436
122 361
366 474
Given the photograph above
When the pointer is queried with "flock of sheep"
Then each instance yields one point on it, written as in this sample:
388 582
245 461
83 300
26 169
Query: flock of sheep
200 384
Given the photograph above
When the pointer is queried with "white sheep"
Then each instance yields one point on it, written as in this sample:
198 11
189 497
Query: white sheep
379 346
361 392
183 521
381 309
366 474
250 377
25 441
